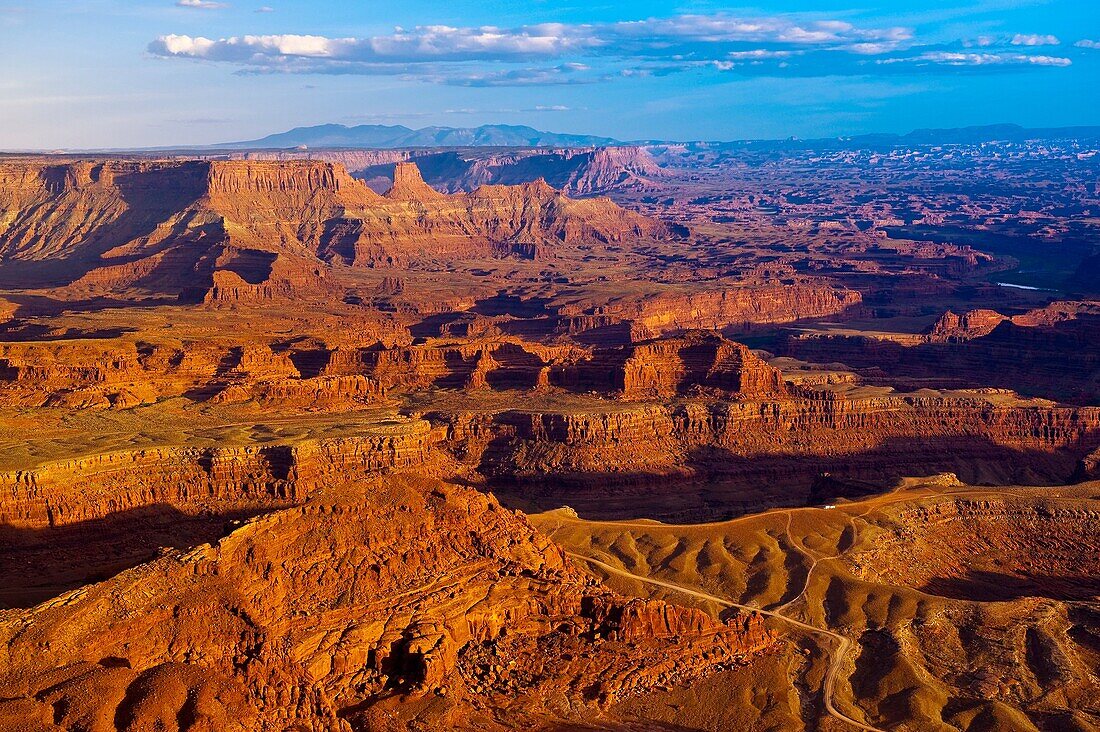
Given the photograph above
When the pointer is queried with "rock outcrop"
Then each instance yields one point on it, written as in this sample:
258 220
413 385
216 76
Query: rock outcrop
1048 352
734 309
497 363
696 363
530 220
980 323
974 324
414 600
97 374
241 231
1089 469
615 168
317 393
409 185
575 171
753 454
84 489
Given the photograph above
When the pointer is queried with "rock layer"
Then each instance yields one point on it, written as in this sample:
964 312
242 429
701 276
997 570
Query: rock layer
261 227
91 488
750 455
576 171
313 618
696 363
1047 352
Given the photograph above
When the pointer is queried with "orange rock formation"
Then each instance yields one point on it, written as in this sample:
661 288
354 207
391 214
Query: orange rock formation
255 417
316 616
254 230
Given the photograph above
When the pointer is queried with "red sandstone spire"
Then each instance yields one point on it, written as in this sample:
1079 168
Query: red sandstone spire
409 185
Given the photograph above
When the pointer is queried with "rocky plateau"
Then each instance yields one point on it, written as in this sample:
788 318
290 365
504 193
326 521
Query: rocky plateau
661 437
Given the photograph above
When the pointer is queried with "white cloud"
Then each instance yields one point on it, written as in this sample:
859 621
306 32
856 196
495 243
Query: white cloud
1087 44
653 37
721 27
1032 39
952 58
185 46
265 9
564 53
872 49
201 4
757 54
427 43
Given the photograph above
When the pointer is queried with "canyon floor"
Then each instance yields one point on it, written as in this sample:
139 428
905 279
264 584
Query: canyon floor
654 438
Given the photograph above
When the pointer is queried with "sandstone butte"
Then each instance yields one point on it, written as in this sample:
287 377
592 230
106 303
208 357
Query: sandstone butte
282 423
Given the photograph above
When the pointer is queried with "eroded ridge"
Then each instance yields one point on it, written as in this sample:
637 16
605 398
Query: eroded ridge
315 615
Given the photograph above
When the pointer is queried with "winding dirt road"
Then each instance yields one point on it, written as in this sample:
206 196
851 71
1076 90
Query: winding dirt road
841 645
836 653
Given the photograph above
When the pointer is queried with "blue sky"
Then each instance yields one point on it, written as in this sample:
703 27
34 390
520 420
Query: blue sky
111 73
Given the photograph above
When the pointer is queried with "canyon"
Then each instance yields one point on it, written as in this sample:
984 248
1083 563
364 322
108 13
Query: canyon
610 437
575 171
158 226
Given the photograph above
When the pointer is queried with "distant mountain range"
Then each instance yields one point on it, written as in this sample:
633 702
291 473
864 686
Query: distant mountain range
399 136
394 137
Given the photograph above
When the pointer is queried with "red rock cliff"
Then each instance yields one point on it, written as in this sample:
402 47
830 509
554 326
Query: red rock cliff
320 612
